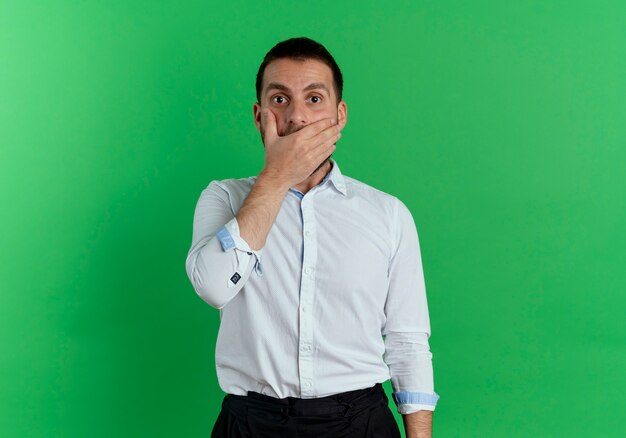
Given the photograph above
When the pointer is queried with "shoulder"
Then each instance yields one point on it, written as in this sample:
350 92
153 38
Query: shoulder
373 196
232 191
232 186
381 205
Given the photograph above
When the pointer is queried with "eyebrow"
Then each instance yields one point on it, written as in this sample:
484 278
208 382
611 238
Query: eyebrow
312 86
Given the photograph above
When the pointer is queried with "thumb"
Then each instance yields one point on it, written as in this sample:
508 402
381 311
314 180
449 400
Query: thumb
270 125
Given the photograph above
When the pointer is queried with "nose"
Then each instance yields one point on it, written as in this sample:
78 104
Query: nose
297 114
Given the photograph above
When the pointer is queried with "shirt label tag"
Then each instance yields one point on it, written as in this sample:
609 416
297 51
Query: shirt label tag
235 278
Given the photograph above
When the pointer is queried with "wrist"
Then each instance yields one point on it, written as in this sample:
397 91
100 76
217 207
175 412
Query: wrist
273 179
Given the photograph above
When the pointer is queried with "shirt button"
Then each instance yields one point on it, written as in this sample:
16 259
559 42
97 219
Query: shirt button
307 270
307 384
307 233
303 309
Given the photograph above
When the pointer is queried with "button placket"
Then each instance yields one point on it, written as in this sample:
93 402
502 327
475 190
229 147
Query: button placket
307 290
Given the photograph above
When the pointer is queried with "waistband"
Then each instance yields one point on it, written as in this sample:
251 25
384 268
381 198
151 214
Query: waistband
345 403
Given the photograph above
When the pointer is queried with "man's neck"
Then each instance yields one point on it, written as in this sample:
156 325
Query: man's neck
315 178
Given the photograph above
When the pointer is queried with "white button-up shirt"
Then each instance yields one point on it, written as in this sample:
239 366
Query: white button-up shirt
334 301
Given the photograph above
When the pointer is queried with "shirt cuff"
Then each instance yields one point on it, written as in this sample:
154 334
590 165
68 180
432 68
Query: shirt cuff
408 402
230 238
409 408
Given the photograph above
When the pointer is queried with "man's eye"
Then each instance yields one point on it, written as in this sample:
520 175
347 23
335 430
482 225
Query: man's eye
317 99
278 99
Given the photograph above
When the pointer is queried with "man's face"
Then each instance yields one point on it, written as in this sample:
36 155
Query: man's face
298 93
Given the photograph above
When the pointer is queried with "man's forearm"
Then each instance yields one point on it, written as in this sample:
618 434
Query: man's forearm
418 424
259 210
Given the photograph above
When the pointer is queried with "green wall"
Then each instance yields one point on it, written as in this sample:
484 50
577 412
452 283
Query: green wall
501 125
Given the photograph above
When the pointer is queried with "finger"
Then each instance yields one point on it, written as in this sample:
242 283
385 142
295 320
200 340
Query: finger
327 152
327 133
324 148
270 126
310 131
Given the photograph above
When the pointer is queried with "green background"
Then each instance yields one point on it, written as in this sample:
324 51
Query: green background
499 124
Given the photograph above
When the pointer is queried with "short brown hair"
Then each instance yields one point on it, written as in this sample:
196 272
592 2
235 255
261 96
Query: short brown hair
301 48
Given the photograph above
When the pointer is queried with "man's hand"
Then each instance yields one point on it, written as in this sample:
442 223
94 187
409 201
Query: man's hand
293 158
418 424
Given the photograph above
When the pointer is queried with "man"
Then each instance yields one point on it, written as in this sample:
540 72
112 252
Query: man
318 276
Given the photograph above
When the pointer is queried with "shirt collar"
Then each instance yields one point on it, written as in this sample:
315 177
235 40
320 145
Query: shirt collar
335 176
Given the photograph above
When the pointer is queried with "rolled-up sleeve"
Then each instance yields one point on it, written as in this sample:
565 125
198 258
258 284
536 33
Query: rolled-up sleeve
407 325
220 261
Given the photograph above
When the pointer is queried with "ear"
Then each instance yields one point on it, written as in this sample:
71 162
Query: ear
342 114
256 109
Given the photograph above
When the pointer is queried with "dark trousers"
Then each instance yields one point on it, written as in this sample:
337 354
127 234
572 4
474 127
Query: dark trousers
362 413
